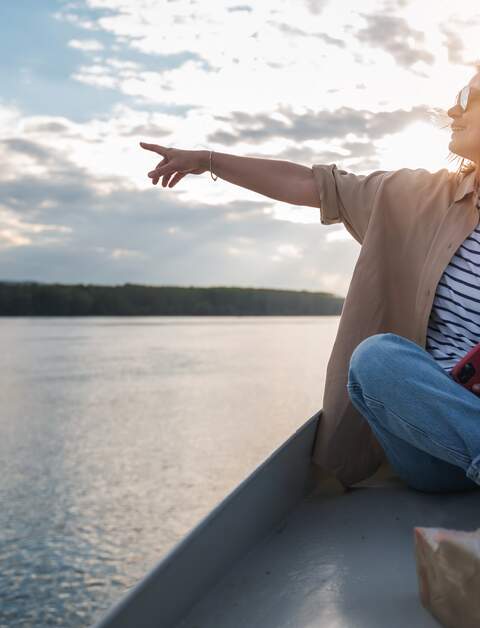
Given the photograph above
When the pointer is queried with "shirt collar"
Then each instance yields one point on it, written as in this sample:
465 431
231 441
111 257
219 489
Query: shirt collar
466 186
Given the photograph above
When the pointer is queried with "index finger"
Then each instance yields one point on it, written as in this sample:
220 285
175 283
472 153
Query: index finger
155 147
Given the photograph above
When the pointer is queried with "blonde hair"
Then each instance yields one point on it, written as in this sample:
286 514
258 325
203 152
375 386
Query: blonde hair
465 168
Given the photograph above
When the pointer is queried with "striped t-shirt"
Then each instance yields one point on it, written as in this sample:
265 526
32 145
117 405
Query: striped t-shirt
454 324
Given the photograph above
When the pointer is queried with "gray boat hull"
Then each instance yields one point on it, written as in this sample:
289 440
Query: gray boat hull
282 551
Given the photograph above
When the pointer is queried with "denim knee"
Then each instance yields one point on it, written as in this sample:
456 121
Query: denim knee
369 359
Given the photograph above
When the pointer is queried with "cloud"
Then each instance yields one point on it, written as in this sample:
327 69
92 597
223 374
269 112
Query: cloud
394 35
322 124
191 51
292 31
155 236
48 127
86 45
242 7
57 228
454 46
16 232
316 6
455 43
302 83
26 147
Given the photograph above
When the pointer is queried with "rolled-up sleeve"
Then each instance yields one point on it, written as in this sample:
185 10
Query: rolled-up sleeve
346 197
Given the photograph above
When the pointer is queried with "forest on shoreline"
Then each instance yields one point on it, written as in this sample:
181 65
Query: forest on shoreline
31 298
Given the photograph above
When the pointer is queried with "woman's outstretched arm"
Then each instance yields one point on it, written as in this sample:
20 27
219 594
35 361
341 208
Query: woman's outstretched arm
281 180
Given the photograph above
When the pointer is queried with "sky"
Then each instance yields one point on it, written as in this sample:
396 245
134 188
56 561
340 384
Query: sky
358 84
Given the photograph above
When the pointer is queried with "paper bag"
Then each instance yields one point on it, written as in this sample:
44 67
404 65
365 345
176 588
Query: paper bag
448 571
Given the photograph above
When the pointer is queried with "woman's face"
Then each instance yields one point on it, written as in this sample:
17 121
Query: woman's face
465 141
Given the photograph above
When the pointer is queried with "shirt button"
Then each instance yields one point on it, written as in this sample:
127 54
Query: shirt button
450 245
428 292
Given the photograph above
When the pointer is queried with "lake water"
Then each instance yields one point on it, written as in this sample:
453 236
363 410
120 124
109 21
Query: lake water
119 434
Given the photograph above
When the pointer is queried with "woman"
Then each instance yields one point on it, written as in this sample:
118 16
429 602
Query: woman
411 312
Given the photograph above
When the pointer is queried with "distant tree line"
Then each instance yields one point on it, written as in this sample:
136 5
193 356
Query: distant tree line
41 299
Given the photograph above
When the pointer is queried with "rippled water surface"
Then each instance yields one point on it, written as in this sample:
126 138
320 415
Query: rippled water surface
119 434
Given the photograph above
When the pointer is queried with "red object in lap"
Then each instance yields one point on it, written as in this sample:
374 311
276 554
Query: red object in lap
467 370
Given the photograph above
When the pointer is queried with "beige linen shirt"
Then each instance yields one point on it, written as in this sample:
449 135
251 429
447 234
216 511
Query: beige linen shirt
409 223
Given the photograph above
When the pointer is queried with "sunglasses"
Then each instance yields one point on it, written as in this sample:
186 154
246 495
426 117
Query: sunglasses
466 95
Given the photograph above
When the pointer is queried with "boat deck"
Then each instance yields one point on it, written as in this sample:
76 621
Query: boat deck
337 561
282 550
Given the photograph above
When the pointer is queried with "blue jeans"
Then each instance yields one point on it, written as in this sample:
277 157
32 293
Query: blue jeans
427 424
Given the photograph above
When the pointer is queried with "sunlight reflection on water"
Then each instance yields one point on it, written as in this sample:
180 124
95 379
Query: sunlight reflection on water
118 436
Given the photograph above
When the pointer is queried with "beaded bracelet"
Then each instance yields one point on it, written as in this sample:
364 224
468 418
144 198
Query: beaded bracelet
211 173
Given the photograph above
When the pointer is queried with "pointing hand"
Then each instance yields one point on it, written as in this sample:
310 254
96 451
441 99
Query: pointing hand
176 162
